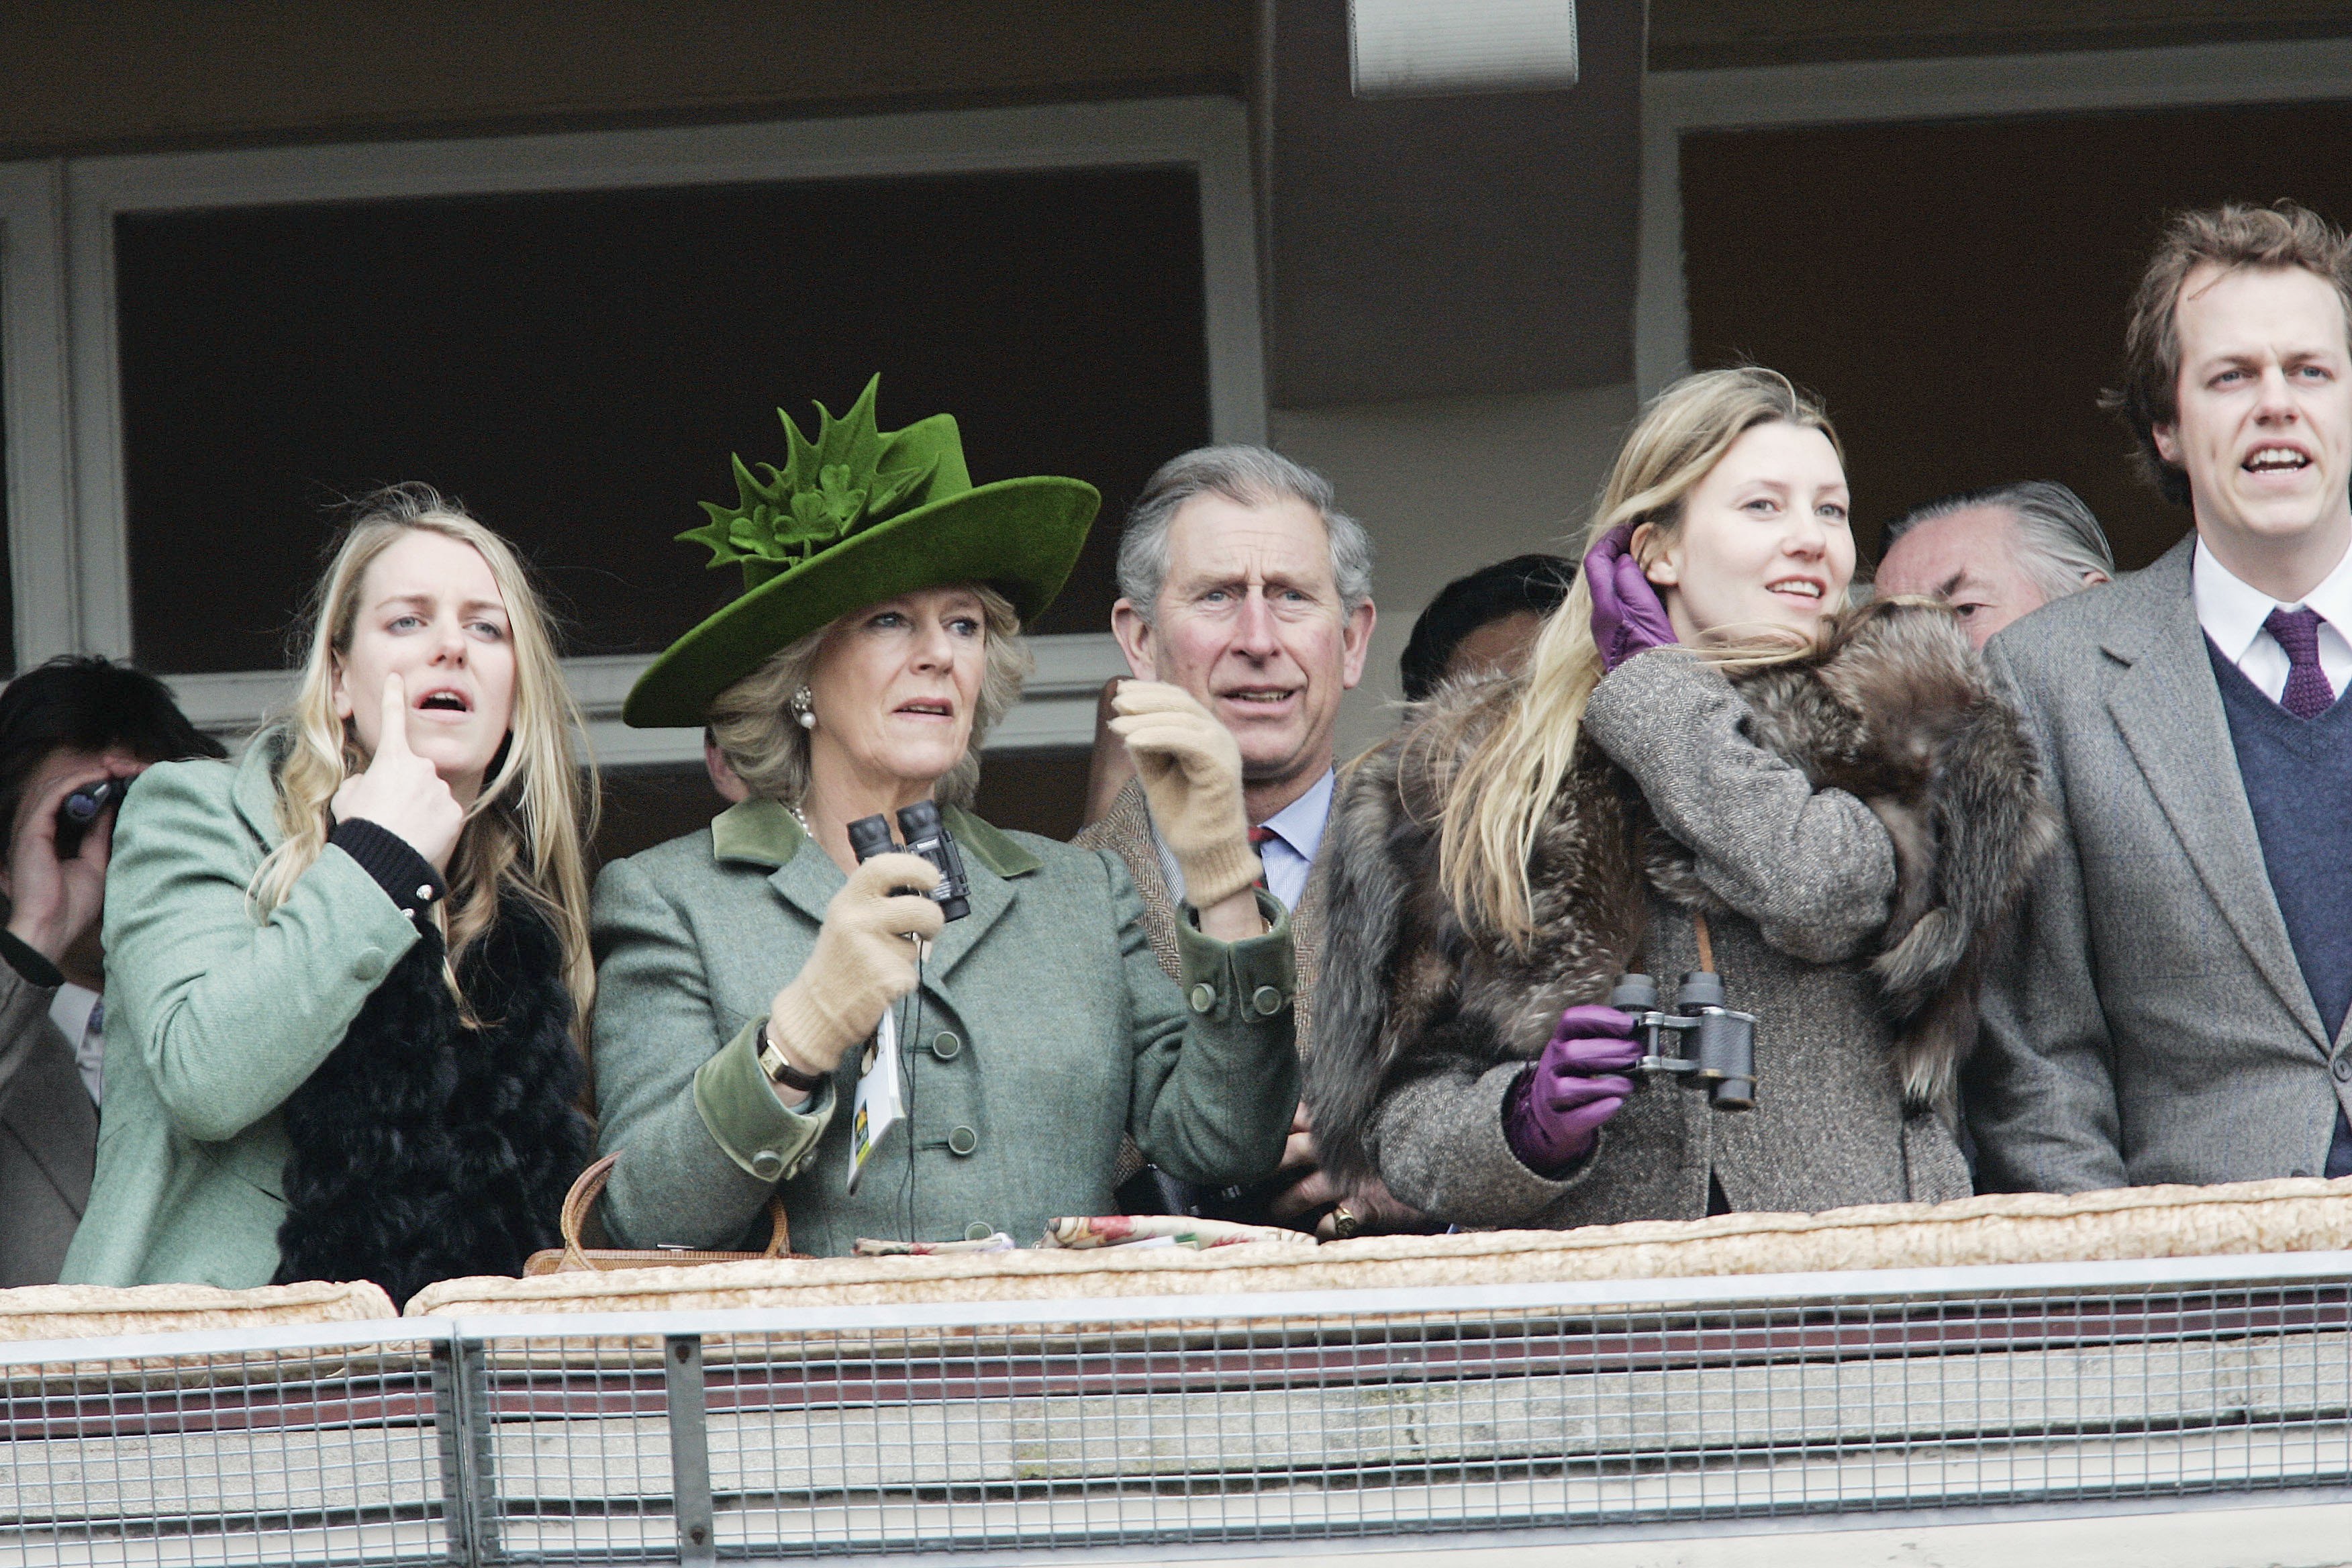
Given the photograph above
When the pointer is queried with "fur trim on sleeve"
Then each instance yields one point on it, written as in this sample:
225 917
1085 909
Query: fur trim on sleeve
1900 712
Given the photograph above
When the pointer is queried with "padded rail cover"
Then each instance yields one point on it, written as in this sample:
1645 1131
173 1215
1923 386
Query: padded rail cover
2248 1217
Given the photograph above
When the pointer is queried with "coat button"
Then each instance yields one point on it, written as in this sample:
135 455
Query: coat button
767 1164
979 1230
945 1045
368 968
1204 996
963 1140
1268 1001
2343 1068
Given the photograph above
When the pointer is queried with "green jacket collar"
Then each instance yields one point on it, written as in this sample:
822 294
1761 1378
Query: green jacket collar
763 832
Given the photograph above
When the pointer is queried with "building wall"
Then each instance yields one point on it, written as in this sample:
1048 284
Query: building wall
148 74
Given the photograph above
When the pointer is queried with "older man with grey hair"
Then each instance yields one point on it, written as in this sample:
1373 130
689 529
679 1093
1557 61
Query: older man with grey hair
1997 554
1241 581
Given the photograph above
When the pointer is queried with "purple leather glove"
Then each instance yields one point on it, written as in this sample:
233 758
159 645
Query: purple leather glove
1627 616
1553 1115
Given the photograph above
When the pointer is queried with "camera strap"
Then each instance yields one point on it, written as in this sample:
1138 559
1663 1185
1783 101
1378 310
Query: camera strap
1706 942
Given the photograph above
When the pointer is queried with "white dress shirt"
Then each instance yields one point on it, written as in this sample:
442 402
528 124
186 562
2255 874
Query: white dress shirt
2232 613
81 1020
1288 855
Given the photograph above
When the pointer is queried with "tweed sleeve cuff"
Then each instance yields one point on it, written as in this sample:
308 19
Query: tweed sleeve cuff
27 961
1257 976
407 878
739 1110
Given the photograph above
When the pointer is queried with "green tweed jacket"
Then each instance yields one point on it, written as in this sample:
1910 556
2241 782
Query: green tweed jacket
1046 1031
213 1022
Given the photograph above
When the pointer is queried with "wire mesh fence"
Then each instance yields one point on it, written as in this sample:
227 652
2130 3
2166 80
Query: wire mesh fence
1235 1419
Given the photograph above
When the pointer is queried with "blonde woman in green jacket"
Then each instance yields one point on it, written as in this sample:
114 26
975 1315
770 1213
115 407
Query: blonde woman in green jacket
744 968
342 976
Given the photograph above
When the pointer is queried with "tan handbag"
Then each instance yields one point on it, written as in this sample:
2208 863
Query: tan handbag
574 1259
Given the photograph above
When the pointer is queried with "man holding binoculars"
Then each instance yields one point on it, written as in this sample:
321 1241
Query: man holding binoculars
73 735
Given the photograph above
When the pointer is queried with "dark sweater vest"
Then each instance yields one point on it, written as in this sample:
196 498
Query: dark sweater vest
2297 774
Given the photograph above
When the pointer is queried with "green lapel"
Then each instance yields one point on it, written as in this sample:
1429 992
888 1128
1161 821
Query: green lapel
756 832
992 847
761 833
991 861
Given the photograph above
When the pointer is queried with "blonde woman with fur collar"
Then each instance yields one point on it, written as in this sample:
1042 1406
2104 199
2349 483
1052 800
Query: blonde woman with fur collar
1707 743
344 975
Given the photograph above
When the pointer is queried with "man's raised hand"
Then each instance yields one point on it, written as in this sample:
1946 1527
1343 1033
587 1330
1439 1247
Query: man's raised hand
52 901
401 791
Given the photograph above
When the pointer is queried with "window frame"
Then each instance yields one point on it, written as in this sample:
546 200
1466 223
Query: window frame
1980 87
68 535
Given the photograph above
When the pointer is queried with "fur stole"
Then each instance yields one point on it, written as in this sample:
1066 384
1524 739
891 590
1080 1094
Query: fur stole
423 1150
1895 709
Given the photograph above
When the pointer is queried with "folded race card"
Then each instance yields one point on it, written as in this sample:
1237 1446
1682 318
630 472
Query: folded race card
879 1103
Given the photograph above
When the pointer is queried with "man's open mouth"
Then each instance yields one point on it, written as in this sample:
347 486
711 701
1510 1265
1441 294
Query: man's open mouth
2275 459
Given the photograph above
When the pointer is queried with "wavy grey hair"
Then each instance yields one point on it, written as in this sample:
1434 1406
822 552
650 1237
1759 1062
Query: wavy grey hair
2062 537
1246 476
753 725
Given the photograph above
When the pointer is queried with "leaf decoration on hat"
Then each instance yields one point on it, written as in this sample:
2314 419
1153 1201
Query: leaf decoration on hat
841 483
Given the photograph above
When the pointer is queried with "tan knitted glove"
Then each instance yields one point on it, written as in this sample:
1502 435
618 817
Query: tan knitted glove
861 962
1192 773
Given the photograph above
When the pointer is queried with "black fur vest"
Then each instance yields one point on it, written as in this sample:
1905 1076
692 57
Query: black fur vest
423 1150
1895 709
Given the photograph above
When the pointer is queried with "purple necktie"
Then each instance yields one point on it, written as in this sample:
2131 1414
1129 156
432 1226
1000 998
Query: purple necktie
2307 694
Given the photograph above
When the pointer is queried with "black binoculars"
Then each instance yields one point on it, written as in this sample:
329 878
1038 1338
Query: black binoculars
1701 1042
926 835
80 811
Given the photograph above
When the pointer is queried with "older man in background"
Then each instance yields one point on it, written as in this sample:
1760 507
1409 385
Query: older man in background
1241 581
1997 554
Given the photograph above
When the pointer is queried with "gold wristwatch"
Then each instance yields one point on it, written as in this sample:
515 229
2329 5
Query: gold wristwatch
777 1066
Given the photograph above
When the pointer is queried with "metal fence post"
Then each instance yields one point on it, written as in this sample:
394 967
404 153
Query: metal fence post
689 1451
461 1417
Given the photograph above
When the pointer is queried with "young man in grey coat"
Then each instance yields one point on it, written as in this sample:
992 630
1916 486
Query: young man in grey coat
2172 1004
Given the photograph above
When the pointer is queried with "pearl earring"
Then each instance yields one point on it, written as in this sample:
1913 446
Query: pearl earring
804 709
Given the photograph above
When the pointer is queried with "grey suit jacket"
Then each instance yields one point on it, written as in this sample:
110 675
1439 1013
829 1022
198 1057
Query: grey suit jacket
2146 1021
48 1136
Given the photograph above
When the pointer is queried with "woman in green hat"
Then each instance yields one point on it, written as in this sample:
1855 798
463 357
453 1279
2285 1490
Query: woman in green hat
744 969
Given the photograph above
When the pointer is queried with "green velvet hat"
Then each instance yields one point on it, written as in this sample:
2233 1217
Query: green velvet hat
858 516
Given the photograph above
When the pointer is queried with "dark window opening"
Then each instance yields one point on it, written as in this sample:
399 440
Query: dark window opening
1958 292
576 367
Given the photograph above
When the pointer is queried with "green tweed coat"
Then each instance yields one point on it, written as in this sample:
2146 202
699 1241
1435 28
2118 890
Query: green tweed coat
1046 1031
213 1022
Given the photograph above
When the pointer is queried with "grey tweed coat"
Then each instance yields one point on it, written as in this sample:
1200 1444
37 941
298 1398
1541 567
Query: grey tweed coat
1849 918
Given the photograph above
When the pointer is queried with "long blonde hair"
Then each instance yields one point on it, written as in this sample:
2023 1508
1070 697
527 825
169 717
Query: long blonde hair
1495 803
524 833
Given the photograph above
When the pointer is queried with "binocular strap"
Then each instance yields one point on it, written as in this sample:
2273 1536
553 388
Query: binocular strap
1705 942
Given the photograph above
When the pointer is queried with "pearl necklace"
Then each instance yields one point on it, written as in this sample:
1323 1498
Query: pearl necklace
803 821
